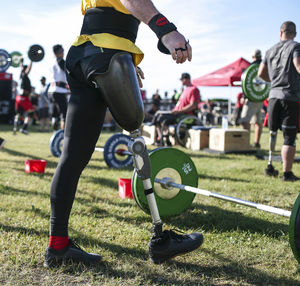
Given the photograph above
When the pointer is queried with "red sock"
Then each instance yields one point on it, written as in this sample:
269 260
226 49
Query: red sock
58 242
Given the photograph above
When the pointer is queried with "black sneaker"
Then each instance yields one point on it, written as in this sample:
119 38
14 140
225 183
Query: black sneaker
271 171
171 244
2 142
289 177
256 145
71 253
24 131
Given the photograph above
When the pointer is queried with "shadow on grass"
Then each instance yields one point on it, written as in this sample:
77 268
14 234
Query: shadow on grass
211 218
207 177
208 155
234 271
24 230
51 164
6 190
229 270
111 183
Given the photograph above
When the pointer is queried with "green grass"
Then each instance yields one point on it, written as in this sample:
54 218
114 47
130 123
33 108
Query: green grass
243 246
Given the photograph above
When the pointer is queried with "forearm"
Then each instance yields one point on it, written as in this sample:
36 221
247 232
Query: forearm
144 10
29 68
296 62
263 72
188 108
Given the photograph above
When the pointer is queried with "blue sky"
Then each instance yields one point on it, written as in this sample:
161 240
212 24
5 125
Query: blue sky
220 31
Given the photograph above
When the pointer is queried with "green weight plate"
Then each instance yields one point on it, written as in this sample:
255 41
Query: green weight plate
253 87
294 229
172 163
16 59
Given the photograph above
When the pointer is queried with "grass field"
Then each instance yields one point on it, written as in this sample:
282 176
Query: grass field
243 246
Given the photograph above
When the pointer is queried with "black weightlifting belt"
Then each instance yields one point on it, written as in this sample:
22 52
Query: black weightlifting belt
108 20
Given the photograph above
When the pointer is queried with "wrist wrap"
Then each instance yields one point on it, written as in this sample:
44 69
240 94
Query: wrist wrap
160 25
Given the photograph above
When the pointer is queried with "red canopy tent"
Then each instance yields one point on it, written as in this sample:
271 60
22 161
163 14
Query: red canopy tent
225 76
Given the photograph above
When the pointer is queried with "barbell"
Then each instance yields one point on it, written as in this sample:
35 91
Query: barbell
5 60
115 150
175 179
254 88
35 53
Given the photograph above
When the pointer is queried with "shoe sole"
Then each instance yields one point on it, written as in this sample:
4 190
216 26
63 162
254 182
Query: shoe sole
58 263
271 174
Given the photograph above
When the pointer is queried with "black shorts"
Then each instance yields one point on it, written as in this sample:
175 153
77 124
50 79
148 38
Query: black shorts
60 103
43 112
283 114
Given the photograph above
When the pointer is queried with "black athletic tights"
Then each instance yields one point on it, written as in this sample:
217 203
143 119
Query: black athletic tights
85 116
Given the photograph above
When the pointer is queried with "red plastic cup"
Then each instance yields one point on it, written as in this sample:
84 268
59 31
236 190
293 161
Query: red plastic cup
37 166
125 188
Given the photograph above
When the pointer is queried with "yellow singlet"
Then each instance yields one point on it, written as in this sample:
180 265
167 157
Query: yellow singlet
116 4
105 40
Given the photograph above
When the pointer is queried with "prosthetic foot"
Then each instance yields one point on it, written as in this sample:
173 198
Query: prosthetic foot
270 170
165 244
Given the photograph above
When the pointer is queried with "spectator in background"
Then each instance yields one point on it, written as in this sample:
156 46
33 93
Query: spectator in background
156 99
44 106
206 112
173 100
187 104
34 98
59 89
23 105
251 111
238 108
155 106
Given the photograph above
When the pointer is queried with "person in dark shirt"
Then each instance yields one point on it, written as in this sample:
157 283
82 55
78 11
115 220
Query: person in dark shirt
281 67
23 105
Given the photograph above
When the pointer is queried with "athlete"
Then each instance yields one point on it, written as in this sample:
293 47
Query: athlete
23 105
59 89
281 67
101 73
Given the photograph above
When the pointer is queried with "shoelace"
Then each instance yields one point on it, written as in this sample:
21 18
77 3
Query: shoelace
177 236
73 243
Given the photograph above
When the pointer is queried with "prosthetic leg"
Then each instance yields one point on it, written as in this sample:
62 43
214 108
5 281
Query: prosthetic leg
270 170
120 89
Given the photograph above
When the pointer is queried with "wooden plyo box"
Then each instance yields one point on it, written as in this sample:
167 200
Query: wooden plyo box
149 134
147 131
229 139
199 138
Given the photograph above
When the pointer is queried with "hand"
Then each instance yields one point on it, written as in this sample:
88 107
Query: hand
140 76
175 112
173 41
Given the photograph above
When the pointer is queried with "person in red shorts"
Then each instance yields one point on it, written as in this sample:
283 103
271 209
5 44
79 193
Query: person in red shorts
23 105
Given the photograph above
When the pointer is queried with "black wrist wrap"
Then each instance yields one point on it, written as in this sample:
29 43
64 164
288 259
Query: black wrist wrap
160 25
